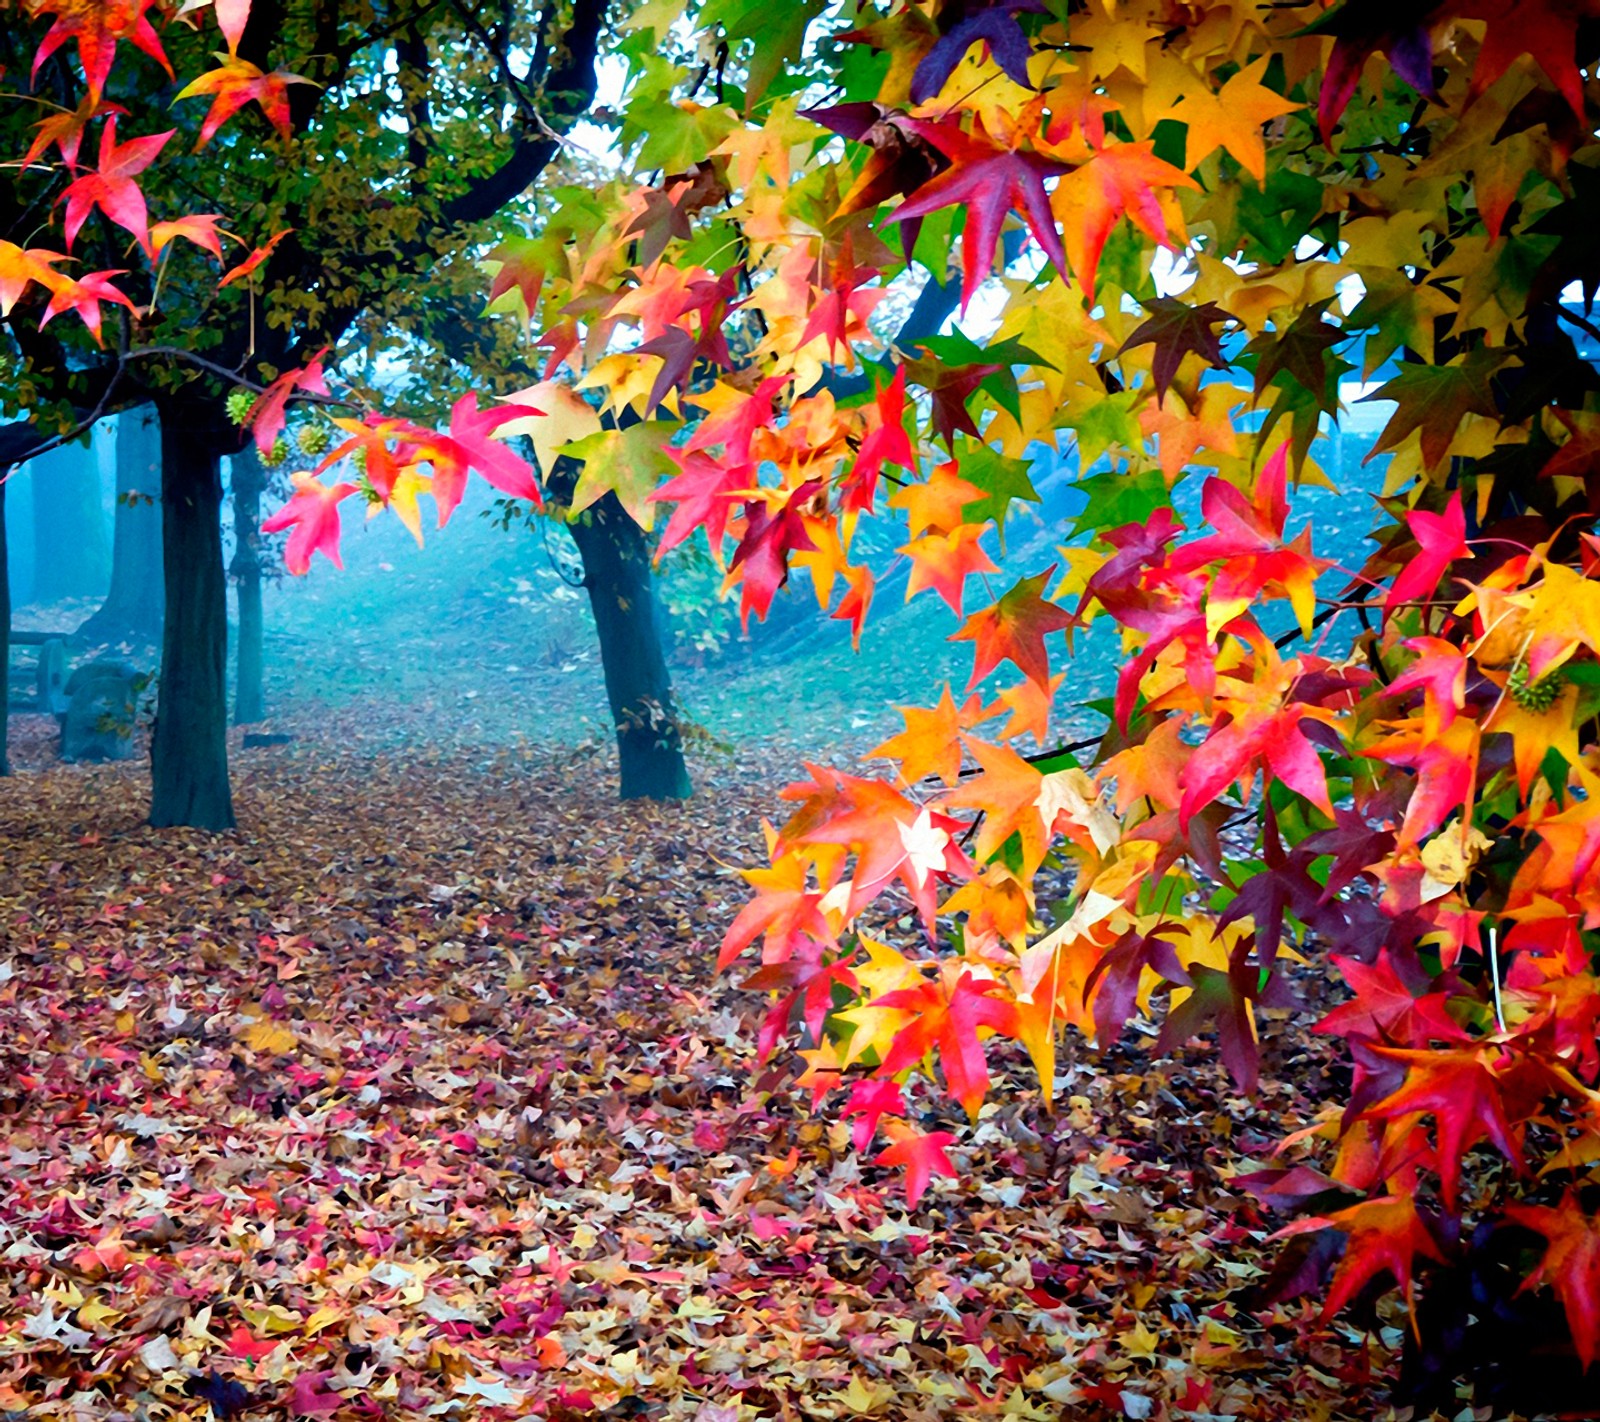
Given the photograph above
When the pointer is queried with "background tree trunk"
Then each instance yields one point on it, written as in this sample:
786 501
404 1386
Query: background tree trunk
71 556
248 480
133 608
5 633
189 753
616 566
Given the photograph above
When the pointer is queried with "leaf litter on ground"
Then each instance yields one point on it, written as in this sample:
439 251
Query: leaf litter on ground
418 1097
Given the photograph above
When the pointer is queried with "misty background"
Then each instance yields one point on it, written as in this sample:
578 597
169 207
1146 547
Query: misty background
484 636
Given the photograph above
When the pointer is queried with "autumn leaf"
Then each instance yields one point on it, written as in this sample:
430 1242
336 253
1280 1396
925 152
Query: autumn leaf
239 82
268 414
111 187
84 295
1177 329
629 463
254 260
1571 1265
1463 1095
1385 1236
1014 630
930 743
471 444
1435 399
1441 540
921 1153
312 516
97 28
1121 180
988 178
198 227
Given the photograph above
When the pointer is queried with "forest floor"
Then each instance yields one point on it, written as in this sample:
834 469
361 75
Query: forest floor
418 1096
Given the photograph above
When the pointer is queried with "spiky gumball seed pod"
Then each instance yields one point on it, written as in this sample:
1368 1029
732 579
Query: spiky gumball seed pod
313 439
277 454
1538 696
240 403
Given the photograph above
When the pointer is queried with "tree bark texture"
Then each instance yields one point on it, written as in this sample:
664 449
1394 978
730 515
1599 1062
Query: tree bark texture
5 634
189 752
71 557
247 478
617 574
133 608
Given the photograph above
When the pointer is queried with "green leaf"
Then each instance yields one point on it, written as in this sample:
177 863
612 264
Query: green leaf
1002 480
629 463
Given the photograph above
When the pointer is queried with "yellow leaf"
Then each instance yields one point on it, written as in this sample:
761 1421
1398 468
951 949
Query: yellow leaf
567 418
863 1399
265 1036
274 1318
1140 1341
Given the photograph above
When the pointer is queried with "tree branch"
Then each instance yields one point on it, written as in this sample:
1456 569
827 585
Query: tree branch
569 91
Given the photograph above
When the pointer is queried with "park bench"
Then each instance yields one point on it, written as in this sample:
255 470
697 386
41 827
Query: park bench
43 686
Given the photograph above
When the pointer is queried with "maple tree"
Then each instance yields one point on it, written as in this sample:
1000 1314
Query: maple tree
1229 208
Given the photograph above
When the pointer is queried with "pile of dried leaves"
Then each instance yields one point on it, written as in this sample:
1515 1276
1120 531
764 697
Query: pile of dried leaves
417 1098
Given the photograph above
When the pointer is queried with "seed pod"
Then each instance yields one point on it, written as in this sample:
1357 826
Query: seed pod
239 405
1538 696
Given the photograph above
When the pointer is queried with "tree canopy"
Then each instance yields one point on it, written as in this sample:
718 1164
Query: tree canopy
1239 217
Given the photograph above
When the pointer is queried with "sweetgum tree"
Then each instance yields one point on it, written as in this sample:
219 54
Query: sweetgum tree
1233 211
215 194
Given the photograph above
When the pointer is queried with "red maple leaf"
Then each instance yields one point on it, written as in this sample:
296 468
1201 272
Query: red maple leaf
1440 670
97 27
1386 1235
470 445
704 495
857 599
1547 32
254 260
922 1155
1464 1097
871 1100
949 1018
237 83
989 179
1272 739
1014 630
1571 1265
1441 539
313 515
1446 762
268 414
84 295
763 551
1383 1005
111 186
786 912
886 442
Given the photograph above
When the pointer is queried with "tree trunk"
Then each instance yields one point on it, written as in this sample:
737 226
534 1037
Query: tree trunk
616 566
189 752
71 558
247 478
5 633
132 609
